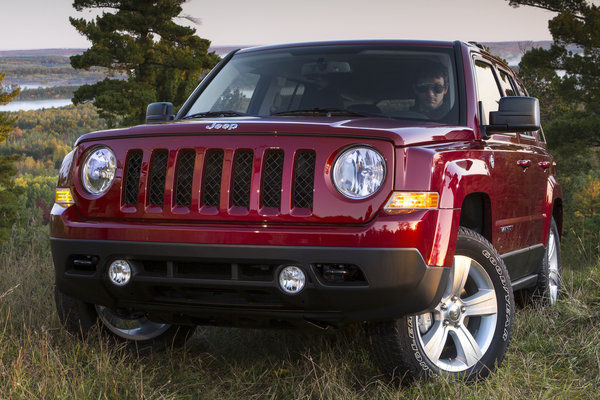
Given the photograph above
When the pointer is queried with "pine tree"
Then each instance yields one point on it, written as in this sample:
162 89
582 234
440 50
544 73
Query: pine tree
8 192
149 57
575 52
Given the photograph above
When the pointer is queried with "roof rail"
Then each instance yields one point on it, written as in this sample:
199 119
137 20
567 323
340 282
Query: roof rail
477 44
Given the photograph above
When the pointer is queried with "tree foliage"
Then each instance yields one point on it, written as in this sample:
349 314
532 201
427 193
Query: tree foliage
566 79
570 69
8 193
39 142
149 56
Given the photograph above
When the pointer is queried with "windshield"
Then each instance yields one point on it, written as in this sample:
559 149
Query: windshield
382 81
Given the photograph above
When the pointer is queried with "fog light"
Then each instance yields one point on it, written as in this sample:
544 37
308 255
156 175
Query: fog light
119 272
292 279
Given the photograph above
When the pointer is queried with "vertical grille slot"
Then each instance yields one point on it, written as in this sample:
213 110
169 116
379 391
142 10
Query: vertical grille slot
184 177
242 177
211 181
158 174
133 165
271 179
304 178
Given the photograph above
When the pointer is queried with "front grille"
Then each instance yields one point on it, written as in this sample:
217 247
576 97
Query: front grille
158 172
185 177
200 278
207 270
133 165
213 169
205 176
272 176
242 178
304 179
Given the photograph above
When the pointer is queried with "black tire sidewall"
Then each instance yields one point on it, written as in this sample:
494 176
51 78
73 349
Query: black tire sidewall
542 288
475 246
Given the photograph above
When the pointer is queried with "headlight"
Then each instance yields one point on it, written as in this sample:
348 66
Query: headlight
359 172
98 170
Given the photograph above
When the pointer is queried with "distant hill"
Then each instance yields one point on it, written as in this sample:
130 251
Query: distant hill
513 51
41 52
220 50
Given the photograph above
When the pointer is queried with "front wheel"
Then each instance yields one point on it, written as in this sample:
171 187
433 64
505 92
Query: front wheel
466 335
135 330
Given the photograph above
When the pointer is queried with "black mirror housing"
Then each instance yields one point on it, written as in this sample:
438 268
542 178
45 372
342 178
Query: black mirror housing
515 114
159 112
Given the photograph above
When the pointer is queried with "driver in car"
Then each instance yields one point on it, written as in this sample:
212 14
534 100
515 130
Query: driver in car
430 87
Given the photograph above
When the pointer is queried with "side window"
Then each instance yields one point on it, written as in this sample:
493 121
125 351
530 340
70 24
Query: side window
487 89
521 92
507 84
522 89
510 88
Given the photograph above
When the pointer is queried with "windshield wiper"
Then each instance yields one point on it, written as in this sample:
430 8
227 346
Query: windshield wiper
328 112
209 114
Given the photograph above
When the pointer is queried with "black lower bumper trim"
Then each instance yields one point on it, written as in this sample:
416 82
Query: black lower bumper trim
395 281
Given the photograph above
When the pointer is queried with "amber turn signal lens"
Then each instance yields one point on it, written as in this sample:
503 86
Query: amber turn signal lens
63 196
405 202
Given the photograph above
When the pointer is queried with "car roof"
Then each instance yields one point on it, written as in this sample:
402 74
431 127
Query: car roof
391 42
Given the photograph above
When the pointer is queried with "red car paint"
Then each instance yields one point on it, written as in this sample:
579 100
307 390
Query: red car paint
455 161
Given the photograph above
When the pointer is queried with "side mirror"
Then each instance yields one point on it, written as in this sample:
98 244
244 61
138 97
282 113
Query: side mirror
159 112
515 114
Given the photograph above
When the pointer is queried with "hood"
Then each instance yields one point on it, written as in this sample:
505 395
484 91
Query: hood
400 132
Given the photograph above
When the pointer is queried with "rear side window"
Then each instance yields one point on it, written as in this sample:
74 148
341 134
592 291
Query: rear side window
507 84
487 89
510 88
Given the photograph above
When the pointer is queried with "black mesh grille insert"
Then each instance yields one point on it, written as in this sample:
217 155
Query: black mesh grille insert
242 177
185 177
133 166
271 178
304 178
211 182
158 172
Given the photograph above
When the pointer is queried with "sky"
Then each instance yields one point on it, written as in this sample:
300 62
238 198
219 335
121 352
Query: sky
41 24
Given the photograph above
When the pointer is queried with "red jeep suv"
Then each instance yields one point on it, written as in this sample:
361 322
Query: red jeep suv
404 185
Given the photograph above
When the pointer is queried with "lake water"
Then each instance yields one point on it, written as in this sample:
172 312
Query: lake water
35 104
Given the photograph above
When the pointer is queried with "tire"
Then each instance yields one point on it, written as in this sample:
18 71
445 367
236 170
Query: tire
466 336
550 271
136 331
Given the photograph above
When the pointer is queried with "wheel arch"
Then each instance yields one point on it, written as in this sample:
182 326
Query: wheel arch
475 214
557 214
465 187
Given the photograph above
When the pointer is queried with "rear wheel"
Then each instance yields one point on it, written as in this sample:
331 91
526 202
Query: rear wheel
466 335
135 330
550 272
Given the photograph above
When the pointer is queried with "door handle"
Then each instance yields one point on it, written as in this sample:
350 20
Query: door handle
524 163
544 164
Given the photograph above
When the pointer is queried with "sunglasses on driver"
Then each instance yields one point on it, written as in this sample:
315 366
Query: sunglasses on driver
426 87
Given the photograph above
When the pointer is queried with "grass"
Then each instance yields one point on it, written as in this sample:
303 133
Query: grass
554 353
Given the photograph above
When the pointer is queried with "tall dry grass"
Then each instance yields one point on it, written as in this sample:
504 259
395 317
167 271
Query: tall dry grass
554 354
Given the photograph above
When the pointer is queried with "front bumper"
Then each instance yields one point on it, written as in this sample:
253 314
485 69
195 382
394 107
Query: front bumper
237 284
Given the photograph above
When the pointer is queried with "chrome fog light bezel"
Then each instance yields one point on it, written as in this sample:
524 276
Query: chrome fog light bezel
292 279
120 272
